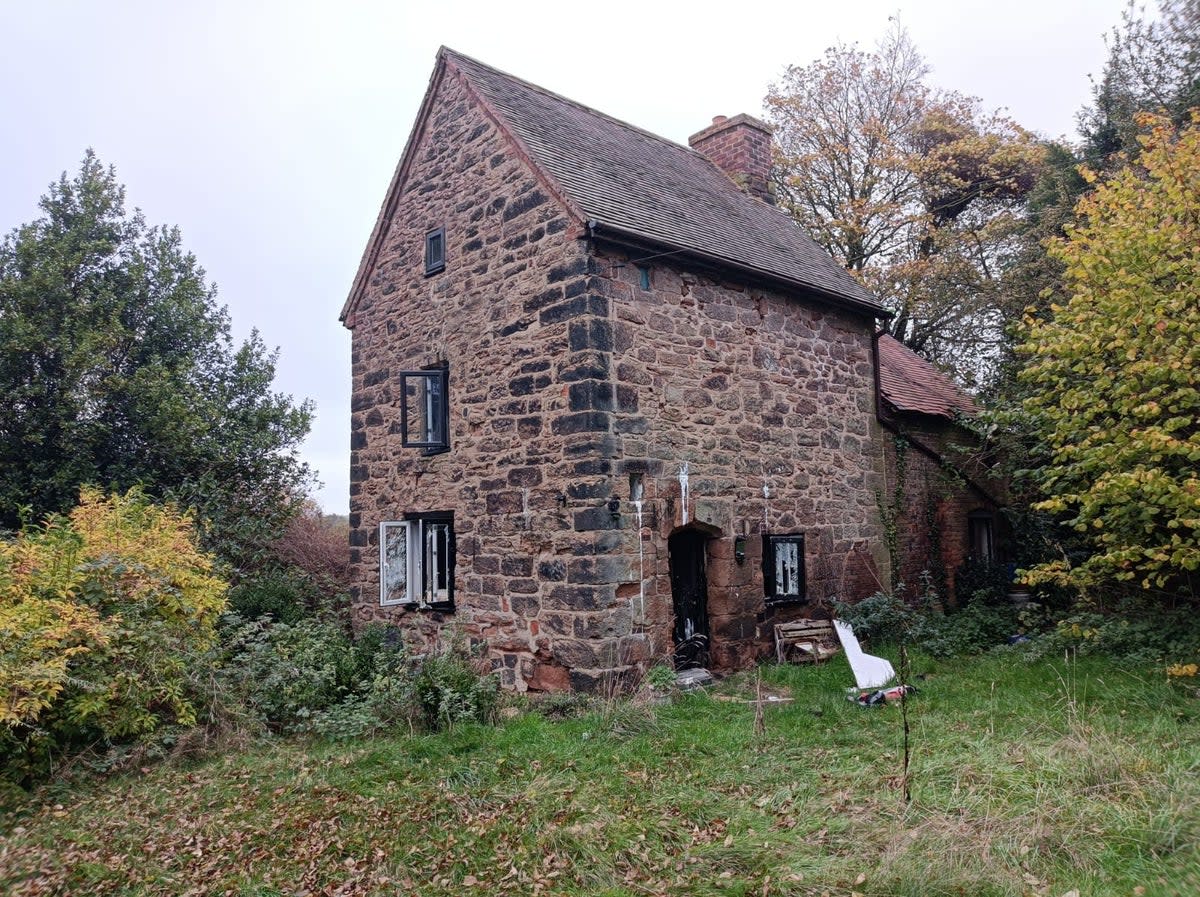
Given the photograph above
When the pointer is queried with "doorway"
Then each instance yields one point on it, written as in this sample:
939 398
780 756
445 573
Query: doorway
689 590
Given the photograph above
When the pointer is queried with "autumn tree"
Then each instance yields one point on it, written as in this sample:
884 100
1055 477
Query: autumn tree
914 189
118 369
105 618
315 543
1153 65
1114 374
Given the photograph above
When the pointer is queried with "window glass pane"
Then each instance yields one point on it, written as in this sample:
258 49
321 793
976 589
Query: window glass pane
433 423
416 407
435 251
787 568
423 411
393 574
981 538
437 561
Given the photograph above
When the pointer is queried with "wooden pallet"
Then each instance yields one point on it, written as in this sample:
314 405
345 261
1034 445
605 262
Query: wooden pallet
805 641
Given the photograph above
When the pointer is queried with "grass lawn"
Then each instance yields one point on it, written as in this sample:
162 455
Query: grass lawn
1050 778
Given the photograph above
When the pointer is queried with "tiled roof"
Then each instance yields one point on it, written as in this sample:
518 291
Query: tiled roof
910 383
634 183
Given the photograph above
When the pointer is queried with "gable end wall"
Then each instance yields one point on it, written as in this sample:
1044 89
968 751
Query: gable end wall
527 476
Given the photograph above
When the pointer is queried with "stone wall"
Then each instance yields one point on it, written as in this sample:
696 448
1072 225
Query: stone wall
769 401
529 355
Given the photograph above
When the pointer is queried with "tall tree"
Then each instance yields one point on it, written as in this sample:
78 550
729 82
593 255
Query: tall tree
913 189
1114 374
1153 66
119 369
1033 279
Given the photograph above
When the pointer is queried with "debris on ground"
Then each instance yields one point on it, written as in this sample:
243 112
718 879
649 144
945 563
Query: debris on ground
880 695
697 677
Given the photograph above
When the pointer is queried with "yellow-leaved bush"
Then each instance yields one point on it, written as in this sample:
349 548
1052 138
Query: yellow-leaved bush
42 626
1115 373
103 614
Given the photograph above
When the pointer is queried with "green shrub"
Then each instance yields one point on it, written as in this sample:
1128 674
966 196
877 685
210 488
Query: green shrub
105 615
285 672
383 696
981 580
312 677
979 626
278 594
661 677
1166 637
881 618
449 686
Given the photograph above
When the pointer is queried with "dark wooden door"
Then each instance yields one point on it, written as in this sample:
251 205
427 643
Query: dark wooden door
689 589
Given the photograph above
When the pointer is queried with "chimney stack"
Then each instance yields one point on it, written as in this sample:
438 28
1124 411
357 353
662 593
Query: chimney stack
741 147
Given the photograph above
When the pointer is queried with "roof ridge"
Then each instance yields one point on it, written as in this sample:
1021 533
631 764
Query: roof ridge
455 54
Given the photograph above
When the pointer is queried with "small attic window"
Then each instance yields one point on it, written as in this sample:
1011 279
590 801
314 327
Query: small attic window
643 277
435 251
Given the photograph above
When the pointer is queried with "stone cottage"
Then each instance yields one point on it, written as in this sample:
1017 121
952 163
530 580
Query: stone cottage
610 405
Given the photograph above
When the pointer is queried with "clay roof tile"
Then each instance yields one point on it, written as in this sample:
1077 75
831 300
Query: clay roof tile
909 383
642 185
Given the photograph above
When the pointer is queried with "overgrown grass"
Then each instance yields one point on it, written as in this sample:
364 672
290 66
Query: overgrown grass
1028 779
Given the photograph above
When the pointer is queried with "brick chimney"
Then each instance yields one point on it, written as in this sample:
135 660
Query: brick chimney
741 147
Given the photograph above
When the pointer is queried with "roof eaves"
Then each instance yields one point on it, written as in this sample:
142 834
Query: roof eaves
618 234
909 410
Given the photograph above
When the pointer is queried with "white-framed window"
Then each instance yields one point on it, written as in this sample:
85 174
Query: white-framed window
416 561
783 568
425 409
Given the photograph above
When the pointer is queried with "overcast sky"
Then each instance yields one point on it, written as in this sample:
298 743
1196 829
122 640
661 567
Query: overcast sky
268 131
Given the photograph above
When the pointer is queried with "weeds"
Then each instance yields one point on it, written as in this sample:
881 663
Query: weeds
1028 779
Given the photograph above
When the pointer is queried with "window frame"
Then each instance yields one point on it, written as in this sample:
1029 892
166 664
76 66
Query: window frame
429 573
770 584
435 399
435 262
982 523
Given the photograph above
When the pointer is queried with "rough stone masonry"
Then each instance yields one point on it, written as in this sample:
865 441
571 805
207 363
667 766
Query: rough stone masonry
581 375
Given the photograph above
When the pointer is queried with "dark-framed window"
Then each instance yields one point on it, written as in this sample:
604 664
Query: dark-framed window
435 251
425 409
783 568
981 534
416 561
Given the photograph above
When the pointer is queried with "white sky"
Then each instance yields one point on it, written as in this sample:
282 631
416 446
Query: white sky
268 131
